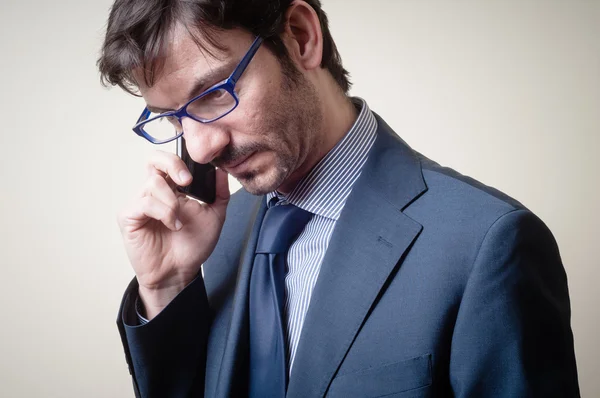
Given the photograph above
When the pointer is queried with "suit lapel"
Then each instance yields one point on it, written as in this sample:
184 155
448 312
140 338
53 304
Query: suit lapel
366 247
230 381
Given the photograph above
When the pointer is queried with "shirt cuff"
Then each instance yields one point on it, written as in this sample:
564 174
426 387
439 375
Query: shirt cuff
139 310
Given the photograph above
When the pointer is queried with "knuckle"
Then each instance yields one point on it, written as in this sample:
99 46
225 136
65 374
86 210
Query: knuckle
169 214
153 166
156 182
159 161
172 202
164 156
146 203
150 169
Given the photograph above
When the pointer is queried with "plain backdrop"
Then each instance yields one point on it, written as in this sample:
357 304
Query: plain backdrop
507 92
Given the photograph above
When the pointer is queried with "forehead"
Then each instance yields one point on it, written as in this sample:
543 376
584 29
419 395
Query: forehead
187 61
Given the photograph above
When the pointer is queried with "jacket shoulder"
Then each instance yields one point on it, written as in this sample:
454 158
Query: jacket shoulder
436 175
459 199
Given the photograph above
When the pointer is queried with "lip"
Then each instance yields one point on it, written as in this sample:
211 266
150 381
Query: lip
237 166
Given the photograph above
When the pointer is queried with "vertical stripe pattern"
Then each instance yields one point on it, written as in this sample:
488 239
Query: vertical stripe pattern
323 192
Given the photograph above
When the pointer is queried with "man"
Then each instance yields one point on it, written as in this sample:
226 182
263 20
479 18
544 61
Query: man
397 277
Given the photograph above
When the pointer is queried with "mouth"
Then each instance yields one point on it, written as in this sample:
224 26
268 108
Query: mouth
237 166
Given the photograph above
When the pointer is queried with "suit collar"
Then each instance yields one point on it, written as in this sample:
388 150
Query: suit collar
366 248
393 170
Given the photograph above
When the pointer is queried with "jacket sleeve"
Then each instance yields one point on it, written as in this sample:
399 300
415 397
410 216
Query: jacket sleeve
513 336
167 356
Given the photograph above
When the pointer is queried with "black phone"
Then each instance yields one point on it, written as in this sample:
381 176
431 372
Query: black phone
203 186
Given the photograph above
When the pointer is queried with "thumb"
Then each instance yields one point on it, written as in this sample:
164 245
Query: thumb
222 189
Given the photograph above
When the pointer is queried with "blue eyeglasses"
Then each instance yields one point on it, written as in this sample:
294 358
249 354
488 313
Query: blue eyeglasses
213 104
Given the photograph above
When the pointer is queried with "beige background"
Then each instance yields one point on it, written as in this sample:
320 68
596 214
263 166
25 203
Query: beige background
505 91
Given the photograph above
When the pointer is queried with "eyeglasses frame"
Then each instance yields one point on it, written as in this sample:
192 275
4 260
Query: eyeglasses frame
227 85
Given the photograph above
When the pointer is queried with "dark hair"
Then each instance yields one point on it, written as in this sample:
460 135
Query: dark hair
138 32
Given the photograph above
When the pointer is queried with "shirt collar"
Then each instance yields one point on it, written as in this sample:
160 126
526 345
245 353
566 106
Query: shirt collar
325 189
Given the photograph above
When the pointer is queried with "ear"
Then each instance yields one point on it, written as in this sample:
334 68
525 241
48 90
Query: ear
303 36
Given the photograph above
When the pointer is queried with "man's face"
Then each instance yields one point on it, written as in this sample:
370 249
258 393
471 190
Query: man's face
272 131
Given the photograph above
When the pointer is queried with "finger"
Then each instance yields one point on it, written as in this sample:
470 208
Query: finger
222 189
169 164
158 187
153 171
149 208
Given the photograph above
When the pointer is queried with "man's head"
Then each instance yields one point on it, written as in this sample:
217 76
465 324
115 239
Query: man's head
163 48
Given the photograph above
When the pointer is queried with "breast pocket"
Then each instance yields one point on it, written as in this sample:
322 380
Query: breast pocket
404 376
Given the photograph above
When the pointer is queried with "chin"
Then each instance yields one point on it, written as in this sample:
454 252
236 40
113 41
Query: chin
259 184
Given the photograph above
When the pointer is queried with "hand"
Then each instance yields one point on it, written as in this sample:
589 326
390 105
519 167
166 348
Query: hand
168 236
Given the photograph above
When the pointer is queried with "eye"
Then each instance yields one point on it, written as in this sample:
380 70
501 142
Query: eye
173 120
212 105
216 95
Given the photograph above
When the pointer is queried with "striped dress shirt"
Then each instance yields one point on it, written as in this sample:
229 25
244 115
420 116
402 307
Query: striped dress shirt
322 192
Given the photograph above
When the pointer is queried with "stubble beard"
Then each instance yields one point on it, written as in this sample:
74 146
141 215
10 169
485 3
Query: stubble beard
292 129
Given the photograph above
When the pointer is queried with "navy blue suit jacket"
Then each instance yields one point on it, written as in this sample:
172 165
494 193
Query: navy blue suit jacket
433 285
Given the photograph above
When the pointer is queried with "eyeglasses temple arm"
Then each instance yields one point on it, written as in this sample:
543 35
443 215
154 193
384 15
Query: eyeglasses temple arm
237 73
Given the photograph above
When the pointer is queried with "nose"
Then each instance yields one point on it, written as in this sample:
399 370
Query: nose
204 141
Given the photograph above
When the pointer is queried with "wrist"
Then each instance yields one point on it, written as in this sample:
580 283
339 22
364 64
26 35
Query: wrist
155 300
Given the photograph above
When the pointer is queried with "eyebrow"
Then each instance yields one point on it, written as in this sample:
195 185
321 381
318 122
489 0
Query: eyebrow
214 76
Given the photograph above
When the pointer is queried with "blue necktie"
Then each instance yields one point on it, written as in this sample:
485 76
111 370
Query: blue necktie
268 360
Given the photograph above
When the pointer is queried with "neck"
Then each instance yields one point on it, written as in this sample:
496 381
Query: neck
339 114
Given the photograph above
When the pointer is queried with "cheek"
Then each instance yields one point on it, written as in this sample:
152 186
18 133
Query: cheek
245 127
260 96
262 116
255 117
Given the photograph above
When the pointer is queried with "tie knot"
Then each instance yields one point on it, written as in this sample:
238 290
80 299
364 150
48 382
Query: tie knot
280 226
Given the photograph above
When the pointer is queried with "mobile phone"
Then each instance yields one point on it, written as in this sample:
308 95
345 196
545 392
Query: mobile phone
203 185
